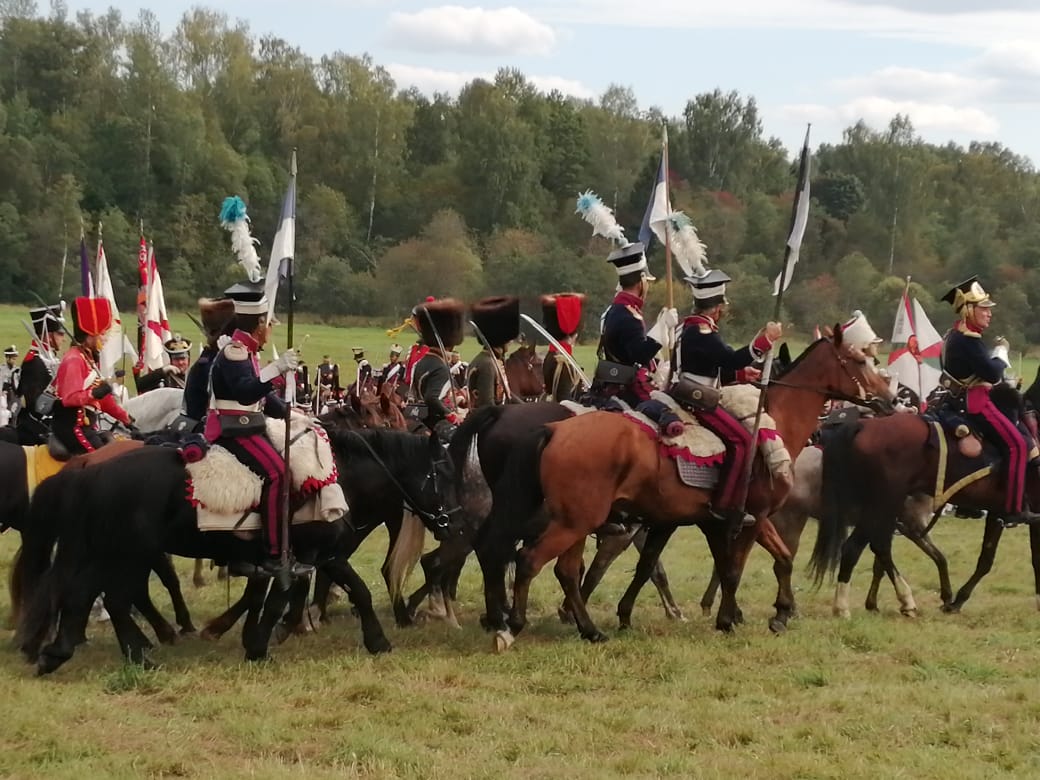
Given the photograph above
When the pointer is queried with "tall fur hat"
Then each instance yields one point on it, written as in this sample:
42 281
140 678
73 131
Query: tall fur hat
498 318
217 315
91 317
447 315
561 313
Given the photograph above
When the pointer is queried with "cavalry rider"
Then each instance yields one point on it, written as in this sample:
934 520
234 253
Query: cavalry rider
364 369
392 372
241 396
326 380
561 316
497 320
9 372
858 333
703 358
174 373
626 352
217 316
431 377
971 370
81 391
38 369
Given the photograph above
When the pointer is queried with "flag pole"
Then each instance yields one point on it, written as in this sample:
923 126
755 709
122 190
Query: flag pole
767 368
667 232
290 388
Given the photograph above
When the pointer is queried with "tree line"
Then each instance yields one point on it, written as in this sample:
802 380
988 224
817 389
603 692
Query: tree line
104 119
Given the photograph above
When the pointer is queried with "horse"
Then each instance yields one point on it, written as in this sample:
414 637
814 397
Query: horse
118 527
152 411
524 373
870 467
627 472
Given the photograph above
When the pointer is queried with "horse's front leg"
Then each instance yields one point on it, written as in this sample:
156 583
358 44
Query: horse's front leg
163 568
220 625
730 558
851 551
656 538
990 540
608 548
783 565
568 574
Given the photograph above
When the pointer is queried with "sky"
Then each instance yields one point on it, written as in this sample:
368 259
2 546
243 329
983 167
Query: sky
962 70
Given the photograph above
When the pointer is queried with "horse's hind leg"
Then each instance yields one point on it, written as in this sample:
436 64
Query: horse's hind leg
292 622
258 641
990 539
553 542
608 548
361 597
877 574
220 625
851 551
654 542
73 603
882 548
198 579
783 565
164 632
163 568
660 579
118 601
708 599
568 573
1034 549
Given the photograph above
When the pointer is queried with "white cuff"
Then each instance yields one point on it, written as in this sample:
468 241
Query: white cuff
269 372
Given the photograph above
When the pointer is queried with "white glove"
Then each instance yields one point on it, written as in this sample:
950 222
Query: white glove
286 362
170 370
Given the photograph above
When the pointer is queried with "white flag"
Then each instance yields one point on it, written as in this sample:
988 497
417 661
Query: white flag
112 349
801 218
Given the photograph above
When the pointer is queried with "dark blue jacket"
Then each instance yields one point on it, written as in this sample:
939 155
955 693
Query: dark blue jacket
235 378
624 336
703 352
967 359
196 385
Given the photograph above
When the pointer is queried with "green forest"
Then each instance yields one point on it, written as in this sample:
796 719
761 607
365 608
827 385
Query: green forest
114 121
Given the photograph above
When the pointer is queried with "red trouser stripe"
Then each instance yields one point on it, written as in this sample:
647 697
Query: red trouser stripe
1017 454
738 442
269 459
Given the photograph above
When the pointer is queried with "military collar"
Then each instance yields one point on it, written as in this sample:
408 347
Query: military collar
972 331
628 299
246 340
702 321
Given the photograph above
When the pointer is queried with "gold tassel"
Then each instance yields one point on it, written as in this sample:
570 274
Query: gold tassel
408 323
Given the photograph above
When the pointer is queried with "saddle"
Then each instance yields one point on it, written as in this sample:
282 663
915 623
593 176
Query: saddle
226 493
40 464
56 449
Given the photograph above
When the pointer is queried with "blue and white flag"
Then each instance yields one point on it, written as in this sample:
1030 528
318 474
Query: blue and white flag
283 248
657 210
799 219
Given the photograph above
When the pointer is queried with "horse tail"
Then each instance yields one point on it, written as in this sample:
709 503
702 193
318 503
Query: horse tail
404 554
518 493
840 505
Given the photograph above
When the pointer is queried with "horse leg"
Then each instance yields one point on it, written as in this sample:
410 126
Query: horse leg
72 604
732 570
322 586
877 574
163 567
608 548
783 565
927 546
164 632
568 574
495 550
660 579
220 625
851 550
708 599
292 622
990 539
361 597
252 602
118 601
881 546
553 542
654 541
259 642
197 577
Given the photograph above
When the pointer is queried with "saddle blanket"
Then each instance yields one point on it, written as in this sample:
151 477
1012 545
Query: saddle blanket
39 464
225 492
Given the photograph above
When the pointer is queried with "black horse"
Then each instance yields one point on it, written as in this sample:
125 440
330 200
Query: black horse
109 527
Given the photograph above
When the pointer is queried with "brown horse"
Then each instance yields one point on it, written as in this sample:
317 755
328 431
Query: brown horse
870 467
617 466
524 373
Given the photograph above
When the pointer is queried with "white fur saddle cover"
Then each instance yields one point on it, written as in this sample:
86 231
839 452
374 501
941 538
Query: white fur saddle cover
223 489
742 402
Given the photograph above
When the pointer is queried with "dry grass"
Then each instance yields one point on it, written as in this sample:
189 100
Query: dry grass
876 696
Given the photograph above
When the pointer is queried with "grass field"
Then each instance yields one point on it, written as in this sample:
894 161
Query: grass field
876 696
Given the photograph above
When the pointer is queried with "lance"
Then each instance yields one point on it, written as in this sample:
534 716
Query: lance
290 388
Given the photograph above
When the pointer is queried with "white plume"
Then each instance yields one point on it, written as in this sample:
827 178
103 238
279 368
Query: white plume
244 247
687 247
598 214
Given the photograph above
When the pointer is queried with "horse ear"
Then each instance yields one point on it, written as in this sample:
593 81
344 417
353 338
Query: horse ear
384 403
784 354
827 332
837 334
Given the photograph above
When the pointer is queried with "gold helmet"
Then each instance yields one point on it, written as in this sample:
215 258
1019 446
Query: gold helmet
968 292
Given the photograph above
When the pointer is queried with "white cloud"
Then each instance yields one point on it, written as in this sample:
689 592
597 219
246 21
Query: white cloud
914 83
431 80
452 28
878 111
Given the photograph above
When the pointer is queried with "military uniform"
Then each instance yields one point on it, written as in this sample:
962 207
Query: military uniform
37 372
216 317
561 316
81 391
431 381
9 373
393 372
498 321
970 369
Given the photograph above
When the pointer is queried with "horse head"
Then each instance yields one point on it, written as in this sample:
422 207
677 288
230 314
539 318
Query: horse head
524 372
840 370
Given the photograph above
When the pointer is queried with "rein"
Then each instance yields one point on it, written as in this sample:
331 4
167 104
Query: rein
865 398
440 520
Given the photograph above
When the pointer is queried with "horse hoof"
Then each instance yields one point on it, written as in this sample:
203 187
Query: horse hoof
676 614
210 635
596 637
706 612
624 625
724 626
222 573
738 619
258 658
777 626
503 641
951 608
167 637
842 612
565 616
379 646
189 630
871 607
198 582
910 612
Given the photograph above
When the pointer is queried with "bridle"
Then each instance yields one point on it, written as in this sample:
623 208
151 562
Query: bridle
863 397
439 520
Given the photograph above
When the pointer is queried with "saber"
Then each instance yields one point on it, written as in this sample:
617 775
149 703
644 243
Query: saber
498 368
559 349
44 346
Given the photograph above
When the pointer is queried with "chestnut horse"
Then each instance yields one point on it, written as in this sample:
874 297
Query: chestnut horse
578 470
524 373
870 467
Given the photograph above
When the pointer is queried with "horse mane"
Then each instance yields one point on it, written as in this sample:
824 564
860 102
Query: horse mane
1032 394
392 446
794 363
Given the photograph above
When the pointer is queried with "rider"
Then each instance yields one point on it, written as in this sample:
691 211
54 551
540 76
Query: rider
326 380
174 373
623 342
9 372
392 372
972 370
241 396
38 369
431 377
81 391
561 316
703 358
217 317
364 368
498 322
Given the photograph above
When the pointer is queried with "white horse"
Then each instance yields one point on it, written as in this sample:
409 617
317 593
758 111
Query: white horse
152 411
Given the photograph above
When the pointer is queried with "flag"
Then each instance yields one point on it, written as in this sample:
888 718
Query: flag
112 348
156 325
916 349
655 220
86 279
283 248
799 220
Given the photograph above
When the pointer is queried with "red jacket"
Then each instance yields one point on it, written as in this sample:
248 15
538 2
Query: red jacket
77 377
